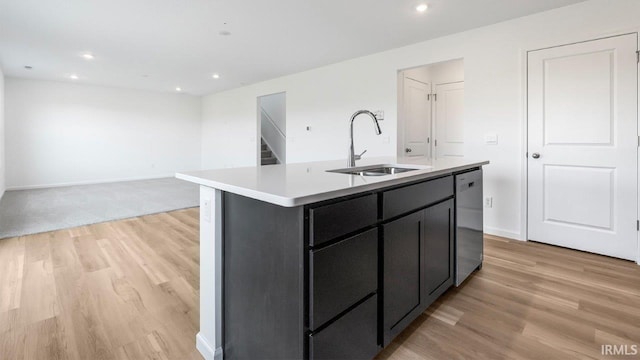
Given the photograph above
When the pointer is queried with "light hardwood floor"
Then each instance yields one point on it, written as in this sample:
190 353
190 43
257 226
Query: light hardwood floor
129 290
118 290
530 301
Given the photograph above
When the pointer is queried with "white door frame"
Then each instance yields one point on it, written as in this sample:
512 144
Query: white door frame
524 227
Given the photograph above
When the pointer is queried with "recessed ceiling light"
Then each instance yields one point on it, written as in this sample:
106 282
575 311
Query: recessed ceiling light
73 77
422 8
178 89
216 76
88 56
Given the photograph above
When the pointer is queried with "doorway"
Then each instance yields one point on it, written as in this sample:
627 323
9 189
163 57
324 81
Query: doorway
431 110
272 129
582 128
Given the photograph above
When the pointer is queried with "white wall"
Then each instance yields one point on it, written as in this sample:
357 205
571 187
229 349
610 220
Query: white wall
494 67
2 137
62 133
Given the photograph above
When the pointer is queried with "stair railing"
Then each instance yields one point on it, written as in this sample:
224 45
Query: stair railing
273 136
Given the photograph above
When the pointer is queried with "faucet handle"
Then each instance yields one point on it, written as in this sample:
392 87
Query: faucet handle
358 157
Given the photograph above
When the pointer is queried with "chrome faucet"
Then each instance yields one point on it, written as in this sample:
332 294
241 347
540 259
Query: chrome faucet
351 161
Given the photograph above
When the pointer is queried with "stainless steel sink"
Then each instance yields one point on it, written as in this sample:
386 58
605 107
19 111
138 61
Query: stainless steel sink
378 170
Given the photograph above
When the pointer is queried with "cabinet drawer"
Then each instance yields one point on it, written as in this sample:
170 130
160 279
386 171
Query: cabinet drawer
341 275
353 336
330 221
412 197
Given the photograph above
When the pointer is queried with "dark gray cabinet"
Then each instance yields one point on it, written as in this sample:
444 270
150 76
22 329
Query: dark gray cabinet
438 250
409 198
352 336
334 280
329 221
418 253
403 268
343 279
263 282
341 275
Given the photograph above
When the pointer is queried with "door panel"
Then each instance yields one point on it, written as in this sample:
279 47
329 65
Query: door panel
402 272
564 201
449 119
565 75
438 239
417 117
582 122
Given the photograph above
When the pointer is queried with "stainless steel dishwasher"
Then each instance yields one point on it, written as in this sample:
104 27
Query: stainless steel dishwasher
469 246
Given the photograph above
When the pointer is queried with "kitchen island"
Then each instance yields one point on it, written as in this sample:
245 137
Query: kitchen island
298 261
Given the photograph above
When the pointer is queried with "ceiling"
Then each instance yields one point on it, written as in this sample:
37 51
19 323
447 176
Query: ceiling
163 44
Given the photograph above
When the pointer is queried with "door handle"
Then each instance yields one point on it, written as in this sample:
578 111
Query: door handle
407 150
535 156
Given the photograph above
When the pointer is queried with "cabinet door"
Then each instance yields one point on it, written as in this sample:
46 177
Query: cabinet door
403 243
438 250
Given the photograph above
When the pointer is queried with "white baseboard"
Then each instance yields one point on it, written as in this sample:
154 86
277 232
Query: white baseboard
205 349
503 233
89 182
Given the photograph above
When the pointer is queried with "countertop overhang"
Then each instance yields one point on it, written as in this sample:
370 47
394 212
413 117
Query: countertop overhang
296 184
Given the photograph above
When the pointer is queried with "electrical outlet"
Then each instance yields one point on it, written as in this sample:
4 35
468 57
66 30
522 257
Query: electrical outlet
379 115
488 202
206 210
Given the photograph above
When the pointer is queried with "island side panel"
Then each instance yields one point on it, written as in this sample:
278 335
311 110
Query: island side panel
263 309
209 338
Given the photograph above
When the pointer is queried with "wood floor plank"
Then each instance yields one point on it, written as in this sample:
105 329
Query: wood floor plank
11 272
79 315
89 253
48 339
12 342
39 299
37 248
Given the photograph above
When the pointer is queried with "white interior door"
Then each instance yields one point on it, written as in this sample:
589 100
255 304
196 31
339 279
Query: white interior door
582 146
449 119
417 117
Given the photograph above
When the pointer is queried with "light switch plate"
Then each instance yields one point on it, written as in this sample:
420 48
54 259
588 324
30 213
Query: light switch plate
379 114
491 139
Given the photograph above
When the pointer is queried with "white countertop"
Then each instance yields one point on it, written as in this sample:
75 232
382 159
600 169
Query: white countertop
304 183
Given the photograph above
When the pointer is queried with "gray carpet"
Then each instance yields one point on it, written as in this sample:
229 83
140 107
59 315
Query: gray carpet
24 212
